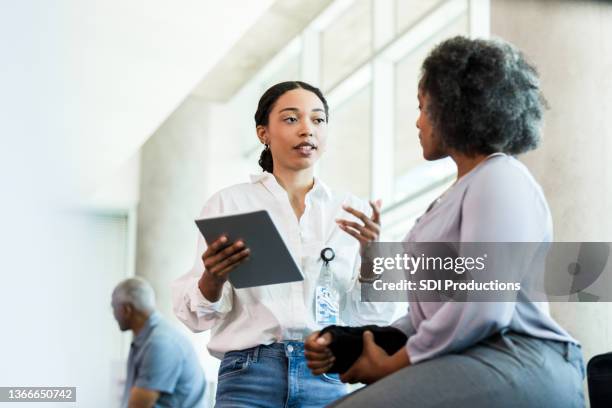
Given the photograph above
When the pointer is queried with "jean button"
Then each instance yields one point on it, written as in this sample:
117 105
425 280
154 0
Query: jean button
290 348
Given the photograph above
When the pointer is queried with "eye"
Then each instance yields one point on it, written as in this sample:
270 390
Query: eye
318 121
290 119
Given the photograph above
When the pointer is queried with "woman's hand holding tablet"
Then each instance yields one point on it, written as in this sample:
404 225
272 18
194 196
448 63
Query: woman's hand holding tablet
219 259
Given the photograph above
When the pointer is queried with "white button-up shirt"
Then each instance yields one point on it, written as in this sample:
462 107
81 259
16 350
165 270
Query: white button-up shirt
244 318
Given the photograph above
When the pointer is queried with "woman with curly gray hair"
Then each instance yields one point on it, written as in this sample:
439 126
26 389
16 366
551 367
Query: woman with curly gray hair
480 103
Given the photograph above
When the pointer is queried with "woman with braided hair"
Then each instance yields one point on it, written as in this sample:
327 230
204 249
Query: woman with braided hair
259 332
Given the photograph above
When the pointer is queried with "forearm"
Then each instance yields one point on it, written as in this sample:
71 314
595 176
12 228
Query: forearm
142 398
366 271
211 288
397 361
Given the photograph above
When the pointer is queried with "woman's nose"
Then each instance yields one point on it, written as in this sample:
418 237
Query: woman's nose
306 129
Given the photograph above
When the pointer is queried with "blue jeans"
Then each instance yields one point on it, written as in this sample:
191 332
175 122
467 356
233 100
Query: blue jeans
274 376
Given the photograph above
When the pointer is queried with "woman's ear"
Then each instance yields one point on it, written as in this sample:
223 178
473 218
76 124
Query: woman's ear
262 134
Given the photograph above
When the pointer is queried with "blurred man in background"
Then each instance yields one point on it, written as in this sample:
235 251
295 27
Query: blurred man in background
163 368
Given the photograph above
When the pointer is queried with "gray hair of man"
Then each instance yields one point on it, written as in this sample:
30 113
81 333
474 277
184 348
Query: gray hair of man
137 292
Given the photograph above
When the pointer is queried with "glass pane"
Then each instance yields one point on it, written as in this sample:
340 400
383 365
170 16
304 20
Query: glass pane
408 12
346 43
346 164
412 172
289 71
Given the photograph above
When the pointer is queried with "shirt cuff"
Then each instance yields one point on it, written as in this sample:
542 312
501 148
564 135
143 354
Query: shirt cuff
415 351
202 306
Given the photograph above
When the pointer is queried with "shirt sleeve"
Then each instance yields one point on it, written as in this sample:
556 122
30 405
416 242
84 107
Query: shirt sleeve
362 313
358 312
189 305
404 324
160 367
501 205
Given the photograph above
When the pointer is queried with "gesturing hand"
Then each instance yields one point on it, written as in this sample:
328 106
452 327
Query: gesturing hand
366 231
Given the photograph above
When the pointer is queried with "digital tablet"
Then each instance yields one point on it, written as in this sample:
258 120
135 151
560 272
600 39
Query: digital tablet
269 262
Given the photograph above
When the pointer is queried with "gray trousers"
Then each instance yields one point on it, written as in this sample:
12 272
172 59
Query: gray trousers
505 370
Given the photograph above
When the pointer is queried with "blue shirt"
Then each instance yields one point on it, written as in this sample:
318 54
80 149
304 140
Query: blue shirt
498 201
162 359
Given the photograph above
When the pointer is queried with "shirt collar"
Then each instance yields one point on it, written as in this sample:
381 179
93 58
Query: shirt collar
151 322
320 189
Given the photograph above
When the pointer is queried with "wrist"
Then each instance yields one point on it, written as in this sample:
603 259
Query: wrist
366 272
397 361
210 287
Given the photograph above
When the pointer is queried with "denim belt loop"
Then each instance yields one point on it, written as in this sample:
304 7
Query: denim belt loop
255 355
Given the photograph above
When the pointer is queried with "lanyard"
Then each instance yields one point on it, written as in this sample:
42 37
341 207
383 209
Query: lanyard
327 255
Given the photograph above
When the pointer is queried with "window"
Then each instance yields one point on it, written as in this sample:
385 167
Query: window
408 12
346 43
411 172
366 57
346 164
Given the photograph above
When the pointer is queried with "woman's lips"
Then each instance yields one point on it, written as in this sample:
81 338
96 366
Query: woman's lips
305 151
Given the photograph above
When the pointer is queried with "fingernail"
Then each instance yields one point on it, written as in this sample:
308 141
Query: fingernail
223 238
240 243
321 340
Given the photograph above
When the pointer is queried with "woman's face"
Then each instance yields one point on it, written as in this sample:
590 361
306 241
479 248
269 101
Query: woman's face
296 130
433 148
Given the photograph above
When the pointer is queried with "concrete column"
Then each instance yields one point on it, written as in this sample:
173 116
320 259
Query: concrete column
172 192
569 42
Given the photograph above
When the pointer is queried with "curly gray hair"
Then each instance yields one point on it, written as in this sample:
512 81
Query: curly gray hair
484 96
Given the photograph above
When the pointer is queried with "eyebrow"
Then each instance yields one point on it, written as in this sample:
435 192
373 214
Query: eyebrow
297 110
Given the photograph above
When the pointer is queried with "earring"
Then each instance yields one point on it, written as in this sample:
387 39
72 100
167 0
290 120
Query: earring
266 146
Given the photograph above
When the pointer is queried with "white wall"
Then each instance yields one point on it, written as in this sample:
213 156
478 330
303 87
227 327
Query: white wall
84 84
569 42
172 192
98 77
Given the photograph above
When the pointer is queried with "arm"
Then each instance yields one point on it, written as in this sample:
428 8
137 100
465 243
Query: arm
189 303
358 312
374 363
404 324
158 372
362 313
501 205
142 398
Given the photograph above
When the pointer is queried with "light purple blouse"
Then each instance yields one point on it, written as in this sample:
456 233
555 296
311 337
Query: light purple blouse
498 201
